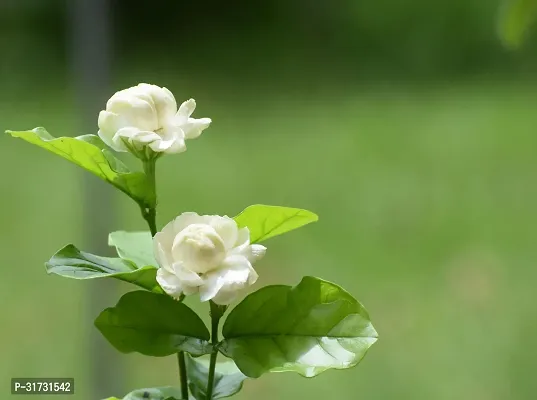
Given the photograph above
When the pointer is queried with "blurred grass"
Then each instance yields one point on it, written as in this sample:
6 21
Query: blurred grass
426 198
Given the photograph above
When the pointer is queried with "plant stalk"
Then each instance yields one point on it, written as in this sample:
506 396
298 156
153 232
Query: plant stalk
150 215
150 212
216 313
182 374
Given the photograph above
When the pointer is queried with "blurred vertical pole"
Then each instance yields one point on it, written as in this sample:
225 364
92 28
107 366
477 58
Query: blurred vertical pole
90 34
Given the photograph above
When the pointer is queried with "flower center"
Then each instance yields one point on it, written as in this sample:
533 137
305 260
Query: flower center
199 247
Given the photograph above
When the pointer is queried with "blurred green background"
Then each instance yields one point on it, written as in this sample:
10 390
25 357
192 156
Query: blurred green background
406 126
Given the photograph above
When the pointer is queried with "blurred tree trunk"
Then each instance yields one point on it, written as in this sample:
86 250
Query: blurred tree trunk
91 56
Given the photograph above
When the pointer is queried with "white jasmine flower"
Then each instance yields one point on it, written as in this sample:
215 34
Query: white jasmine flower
208 254
145 118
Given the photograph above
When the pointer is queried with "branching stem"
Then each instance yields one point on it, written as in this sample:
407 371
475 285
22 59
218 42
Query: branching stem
216 313
149 213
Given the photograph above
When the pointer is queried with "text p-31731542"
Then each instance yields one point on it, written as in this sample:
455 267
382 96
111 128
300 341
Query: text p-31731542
42 386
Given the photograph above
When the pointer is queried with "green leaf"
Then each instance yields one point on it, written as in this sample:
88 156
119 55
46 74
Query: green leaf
136 247
154 325
90 153
265 222
160 393
228 379
516 18
70 262
307 329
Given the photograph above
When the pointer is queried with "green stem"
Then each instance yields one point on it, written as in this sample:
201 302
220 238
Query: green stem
216 313
182 374
210 381
149 213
